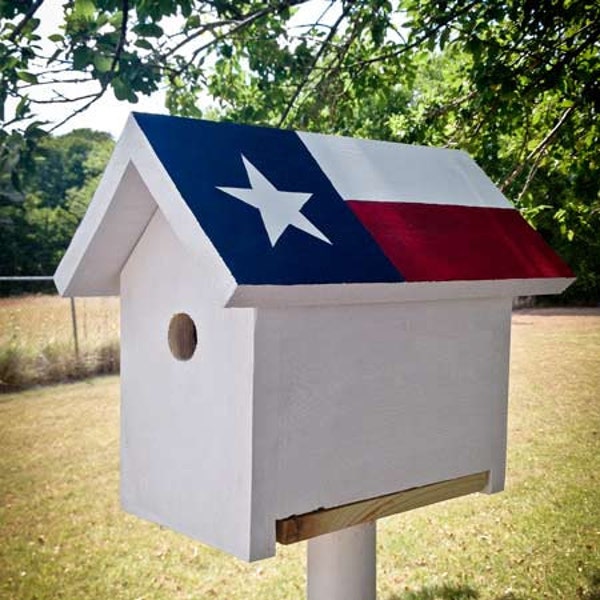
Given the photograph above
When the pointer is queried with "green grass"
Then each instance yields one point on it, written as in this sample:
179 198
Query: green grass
63 535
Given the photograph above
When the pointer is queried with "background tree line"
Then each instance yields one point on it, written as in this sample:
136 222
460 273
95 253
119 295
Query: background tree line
516 83
37 229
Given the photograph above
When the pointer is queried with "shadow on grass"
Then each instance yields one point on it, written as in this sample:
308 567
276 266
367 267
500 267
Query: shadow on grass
454 592
593 589
465 592
439 592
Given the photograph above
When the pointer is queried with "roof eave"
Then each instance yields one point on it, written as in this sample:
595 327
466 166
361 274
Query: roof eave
68 273
380 293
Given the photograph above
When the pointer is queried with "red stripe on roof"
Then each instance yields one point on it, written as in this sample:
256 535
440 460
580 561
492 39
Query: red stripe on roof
433 242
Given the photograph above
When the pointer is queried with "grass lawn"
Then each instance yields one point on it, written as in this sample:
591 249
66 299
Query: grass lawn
63 535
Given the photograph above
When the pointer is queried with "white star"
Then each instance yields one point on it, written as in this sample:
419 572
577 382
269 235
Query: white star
278 209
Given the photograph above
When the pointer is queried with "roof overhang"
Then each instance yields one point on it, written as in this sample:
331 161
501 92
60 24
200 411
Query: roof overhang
382 293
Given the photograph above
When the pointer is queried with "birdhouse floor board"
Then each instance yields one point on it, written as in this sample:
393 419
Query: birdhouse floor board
303 527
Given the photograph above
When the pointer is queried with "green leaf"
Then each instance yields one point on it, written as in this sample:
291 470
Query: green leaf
145 44
8 63
27 76
82 57
84 9
109 40
123 90
120 88
56 37
116 19
186 8
22 108
148 30
102 62
193 22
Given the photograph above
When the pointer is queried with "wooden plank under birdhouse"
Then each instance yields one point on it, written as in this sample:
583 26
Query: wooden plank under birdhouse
303 527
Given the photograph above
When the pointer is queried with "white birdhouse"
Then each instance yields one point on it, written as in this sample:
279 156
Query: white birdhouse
310 324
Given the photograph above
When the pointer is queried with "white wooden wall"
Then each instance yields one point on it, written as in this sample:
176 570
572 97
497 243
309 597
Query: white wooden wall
185 426
353 402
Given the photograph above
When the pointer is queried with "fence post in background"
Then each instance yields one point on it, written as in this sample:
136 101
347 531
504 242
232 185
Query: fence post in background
74 321
49 278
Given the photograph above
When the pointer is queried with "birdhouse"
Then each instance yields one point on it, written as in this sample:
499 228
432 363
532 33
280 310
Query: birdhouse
311 326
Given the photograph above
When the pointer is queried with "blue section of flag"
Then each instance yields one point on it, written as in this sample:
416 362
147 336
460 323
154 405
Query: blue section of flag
201 156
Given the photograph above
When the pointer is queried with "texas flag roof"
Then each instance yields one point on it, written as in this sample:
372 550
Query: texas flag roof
284 208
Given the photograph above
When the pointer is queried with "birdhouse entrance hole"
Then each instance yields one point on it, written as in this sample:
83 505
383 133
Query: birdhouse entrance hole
183 336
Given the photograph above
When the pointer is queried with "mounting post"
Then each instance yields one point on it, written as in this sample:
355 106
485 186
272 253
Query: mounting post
342 565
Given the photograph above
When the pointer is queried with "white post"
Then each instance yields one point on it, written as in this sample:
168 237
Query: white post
342 565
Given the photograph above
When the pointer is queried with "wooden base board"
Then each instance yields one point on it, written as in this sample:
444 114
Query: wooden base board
303 527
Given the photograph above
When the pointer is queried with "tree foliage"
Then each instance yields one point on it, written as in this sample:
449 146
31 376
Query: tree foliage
36 231
516 83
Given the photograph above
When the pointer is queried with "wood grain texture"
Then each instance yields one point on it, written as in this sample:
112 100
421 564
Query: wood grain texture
303 527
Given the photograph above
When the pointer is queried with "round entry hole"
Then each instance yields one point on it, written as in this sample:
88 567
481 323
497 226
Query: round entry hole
183 337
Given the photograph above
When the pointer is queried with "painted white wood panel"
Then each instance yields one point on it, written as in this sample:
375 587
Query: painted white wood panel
360 401
68 268
185 425
384 293
382 171
124 221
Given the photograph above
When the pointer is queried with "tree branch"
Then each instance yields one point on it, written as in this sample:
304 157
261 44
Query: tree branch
200 31
122 38
245 22
81 109
336 66
55 82
530 175
542 146
438 111
23 22
241 25
314 62
60 99
93 98
568 57
416 43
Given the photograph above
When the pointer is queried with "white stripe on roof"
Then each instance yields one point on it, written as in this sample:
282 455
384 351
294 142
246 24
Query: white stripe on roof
385 171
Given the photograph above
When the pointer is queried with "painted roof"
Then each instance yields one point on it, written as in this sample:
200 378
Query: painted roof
285 208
